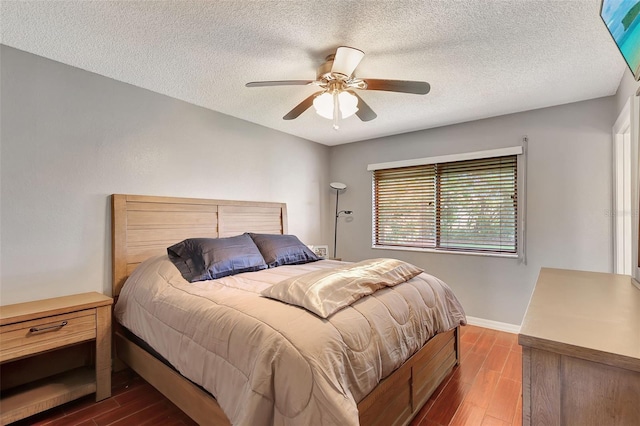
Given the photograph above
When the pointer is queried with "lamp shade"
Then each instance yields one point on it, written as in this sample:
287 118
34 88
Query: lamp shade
346 60
323 104
338 185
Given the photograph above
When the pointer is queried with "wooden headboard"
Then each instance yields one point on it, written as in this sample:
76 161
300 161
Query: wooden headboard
144 226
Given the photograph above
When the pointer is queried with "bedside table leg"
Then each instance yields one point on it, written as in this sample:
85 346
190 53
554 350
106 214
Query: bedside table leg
103 353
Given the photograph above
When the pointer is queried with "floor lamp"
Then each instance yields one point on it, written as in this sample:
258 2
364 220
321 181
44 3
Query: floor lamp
338 186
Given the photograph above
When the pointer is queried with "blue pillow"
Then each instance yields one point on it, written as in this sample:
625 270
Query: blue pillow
280 250
200 259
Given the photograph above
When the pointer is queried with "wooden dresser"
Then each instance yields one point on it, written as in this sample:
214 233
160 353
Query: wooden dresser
581 350
53 351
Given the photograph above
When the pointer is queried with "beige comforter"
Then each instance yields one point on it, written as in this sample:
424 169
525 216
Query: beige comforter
267 362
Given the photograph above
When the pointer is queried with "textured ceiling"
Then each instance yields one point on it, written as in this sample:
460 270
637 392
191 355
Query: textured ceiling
482 58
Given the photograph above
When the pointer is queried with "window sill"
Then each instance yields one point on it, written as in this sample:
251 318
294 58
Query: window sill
428 250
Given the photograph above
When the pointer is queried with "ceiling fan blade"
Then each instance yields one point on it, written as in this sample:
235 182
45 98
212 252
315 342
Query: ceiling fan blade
346 60
279 83
300 108
403 86
364 113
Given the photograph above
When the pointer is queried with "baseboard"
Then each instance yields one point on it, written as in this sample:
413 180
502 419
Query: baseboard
494 325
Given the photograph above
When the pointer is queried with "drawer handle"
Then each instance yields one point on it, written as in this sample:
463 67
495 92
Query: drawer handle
49 327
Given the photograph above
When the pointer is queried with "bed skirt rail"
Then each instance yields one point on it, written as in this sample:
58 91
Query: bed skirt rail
398 398
395 401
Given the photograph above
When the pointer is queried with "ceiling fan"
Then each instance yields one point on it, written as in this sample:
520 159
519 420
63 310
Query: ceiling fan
337 99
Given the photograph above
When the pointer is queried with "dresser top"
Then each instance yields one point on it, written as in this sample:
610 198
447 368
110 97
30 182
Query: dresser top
19 312
586 313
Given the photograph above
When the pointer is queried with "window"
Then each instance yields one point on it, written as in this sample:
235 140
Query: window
468 206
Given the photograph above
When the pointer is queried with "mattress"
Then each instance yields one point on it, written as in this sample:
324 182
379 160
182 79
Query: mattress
267 362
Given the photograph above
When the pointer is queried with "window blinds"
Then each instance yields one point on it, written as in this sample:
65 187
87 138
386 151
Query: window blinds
466 205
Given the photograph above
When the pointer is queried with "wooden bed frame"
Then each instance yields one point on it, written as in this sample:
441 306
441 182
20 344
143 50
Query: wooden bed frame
144 226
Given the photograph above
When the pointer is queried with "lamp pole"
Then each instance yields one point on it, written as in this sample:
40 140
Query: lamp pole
338 186
335 226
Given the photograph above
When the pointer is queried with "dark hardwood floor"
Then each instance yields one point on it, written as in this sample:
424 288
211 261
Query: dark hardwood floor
485 390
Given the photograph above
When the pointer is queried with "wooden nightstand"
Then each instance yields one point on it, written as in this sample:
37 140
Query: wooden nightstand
53 351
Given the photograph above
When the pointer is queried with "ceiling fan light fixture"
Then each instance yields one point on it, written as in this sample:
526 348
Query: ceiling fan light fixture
337 98
323 104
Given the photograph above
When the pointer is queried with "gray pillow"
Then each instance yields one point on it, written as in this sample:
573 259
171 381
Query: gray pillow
200 259
278 250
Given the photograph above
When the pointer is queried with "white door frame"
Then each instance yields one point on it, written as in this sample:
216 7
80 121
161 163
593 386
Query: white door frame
623 212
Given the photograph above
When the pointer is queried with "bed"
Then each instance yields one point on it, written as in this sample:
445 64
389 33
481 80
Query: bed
142 229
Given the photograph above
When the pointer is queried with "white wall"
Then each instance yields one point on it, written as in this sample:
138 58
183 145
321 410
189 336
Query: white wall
568 203
626 93
627 88
69 138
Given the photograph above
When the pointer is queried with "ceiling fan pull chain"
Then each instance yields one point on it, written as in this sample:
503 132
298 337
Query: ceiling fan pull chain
336 110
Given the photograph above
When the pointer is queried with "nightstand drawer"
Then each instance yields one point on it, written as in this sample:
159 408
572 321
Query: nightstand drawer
30 337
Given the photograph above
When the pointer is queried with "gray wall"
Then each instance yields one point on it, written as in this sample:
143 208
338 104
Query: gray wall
568 200
69 138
